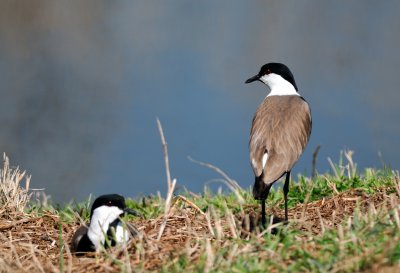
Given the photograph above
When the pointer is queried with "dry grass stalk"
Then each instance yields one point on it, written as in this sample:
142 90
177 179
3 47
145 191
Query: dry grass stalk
165 149
231 183
314 161
396 178
189 203
210 256
321 221
231 222
167 209
171 185
13 198
331 185
333 168
351 166
69 257
339 170
306 201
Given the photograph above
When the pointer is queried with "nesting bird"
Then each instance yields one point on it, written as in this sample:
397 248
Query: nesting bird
105 227
280 131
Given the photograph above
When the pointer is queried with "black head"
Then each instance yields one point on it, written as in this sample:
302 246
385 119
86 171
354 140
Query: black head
275 68
112 200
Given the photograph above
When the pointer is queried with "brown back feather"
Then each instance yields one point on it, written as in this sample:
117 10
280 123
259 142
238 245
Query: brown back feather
281 127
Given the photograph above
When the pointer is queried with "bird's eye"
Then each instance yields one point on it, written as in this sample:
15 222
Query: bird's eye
269 71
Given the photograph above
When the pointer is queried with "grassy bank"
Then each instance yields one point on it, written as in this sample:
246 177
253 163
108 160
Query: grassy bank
343 221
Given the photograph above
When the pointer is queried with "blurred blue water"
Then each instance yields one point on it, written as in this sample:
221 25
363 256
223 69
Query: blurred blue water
81 85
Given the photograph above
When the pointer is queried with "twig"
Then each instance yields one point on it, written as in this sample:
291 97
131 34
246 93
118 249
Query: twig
190 203
165 147
171 185
231 183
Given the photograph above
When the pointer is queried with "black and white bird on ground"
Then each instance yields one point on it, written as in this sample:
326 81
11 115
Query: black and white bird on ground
105 227
280 131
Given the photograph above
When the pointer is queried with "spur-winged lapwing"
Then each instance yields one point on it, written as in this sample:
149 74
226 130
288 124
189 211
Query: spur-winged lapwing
104 223
280 131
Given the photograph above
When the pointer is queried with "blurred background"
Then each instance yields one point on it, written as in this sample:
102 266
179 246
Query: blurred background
82 82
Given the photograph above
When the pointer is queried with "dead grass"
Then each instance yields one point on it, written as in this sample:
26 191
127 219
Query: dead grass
32 243
319 216
13 197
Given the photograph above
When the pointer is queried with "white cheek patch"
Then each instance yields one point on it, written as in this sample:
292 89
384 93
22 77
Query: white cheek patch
264 160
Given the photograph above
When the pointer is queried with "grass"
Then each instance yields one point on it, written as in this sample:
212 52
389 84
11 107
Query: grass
343 221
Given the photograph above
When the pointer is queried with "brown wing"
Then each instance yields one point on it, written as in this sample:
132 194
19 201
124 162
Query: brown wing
281 128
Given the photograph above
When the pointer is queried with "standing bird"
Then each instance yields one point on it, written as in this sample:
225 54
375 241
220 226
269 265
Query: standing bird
104 221
280 131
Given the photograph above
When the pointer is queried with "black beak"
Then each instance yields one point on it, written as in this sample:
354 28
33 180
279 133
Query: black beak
252 79
132 212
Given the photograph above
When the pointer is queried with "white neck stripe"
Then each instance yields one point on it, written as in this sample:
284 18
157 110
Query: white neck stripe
278 85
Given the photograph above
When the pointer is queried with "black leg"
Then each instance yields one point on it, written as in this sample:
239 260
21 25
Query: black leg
263 218
265 196
285 193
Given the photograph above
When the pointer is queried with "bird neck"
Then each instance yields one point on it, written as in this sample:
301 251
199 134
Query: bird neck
278 85
282 89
